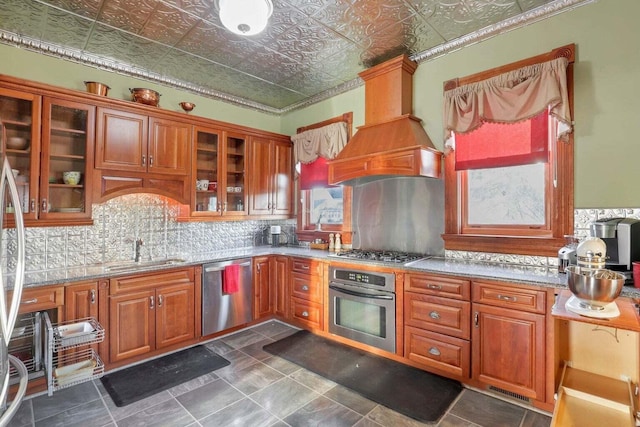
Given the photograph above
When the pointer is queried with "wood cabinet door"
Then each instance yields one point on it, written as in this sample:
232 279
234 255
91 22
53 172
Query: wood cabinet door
131 324
279 280
169 147
261 287
508 350
175 314
261 177
80 301
282 178
121 140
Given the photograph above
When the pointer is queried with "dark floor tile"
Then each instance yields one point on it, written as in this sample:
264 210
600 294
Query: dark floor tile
93 413
314 381
284 397
242 338
219 347
122 412
24 415
322 411
536 419
169 413
193 384
453 421
351 400
366 422
252 378
237 361
274 328
388 418
46 406
242 413
255 349
209 398
281 365
487 411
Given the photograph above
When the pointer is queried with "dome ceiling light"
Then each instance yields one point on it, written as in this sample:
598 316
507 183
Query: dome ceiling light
245 17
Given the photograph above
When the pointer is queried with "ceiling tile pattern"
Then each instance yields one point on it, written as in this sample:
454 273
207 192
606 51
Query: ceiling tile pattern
310 50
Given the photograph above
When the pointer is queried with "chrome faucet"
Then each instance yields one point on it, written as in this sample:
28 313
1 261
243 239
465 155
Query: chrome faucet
139 243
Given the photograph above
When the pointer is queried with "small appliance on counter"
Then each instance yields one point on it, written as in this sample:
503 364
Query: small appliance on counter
622 238
567 253
276 230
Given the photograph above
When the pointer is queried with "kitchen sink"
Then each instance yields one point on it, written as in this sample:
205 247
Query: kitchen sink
133 265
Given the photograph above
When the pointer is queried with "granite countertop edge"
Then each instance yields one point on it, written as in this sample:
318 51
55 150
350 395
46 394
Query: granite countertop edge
514 273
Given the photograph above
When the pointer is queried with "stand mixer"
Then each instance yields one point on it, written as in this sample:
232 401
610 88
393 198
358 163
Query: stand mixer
594 288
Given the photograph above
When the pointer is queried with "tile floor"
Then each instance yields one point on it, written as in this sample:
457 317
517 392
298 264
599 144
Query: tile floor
256 389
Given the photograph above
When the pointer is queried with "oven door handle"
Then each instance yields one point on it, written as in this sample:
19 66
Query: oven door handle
359 294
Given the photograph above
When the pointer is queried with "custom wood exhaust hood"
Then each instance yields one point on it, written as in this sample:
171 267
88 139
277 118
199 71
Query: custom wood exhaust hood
392 141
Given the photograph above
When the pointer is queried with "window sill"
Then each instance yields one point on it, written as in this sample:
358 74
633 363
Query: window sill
534 246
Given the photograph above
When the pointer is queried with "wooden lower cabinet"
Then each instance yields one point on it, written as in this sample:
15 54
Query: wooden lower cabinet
81 301
270 284
307 293
509 344
152 317
437 351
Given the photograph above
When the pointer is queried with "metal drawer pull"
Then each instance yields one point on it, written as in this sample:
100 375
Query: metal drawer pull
435 287
144 160
93 296
159 300
151 302
507 298
434 315
30 301
304 267
305 314
434 351
305 288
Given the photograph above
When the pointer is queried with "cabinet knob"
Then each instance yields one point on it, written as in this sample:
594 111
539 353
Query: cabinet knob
144 160
305 288
150 161
476 319
434 351
434 315
305 314
43 205
32 205
152 302
160 300
507 298
29 301
92 296
434 287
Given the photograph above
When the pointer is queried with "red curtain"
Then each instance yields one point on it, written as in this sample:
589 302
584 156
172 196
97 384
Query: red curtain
314 174
498 145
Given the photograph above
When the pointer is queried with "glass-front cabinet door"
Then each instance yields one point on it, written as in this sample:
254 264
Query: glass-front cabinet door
234 192
20 119
66 160
207 149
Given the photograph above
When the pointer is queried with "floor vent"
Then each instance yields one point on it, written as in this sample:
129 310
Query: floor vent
510 394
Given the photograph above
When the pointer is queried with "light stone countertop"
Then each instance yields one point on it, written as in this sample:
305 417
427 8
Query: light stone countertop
525 274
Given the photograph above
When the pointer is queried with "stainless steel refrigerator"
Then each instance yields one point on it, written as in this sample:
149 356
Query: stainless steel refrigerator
11 278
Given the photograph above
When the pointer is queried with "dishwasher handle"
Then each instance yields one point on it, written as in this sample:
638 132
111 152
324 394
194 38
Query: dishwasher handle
210 269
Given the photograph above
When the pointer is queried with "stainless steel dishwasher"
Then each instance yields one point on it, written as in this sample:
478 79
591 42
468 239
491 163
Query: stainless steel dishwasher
221 310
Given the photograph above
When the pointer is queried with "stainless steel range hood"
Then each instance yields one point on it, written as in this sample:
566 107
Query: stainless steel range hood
392 142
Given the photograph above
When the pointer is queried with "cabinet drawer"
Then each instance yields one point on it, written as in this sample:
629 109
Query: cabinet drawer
37 299
442 352
307 312
516 297
151 280
447 316
437 285
306 286
306 266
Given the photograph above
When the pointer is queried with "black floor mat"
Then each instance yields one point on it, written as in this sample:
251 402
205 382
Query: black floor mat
404 389
137 382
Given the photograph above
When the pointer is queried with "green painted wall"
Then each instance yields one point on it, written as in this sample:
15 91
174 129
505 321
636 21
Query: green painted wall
606 109
607 127
46 69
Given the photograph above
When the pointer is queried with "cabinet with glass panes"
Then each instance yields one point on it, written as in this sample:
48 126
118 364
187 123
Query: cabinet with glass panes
45 137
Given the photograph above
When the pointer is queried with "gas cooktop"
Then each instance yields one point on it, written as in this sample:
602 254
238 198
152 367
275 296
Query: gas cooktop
380 255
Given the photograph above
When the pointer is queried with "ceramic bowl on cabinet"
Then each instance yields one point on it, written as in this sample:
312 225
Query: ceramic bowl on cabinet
71 177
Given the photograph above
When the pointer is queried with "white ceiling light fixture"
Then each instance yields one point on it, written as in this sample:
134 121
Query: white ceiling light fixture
245 17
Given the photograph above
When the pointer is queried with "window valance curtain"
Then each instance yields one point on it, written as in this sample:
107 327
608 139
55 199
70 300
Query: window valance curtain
326 142
509 98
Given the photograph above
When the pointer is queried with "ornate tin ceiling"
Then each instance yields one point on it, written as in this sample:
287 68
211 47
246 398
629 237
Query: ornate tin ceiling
311 49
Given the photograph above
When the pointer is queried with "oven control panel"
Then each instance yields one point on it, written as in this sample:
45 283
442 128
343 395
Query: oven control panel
378 280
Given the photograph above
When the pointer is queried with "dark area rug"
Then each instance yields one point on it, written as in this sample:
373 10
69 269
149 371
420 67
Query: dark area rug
137 382
404 389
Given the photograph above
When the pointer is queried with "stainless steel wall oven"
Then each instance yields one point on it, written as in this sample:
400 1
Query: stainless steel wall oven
362 306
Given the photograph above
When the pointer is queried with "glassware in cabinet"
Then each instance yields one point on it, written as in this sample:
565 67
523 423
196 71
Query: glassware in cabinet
206 199
235 185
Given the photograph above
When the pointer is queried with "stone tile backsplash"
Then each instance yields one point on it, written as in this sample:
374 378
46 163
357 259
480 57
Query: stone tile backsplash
582 219
120 221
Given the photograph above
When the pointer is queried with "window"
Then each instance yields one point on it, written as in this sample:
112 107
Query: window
323 208
514 201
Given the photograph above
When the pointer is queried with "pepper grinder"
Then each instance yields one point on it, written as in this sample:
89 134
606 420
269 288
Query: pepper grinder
337 244
331 243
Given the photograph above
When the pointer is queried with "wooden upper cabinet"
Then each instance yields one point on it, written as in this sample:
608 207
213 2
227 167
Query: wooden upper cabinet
271 184
121 140
169 146
132 142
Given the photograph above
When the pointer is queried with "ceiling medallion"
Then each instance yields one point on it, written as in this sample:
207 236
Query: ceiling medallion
245 17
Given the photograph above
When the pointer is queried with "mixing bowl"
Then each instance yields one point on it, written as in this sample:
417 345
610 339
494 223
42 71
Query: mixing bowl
71 177
594 287
97 88
145 96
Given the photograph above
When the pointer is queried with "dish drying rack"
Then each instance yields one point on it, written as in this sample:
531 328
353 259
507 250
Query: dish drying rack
68 358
